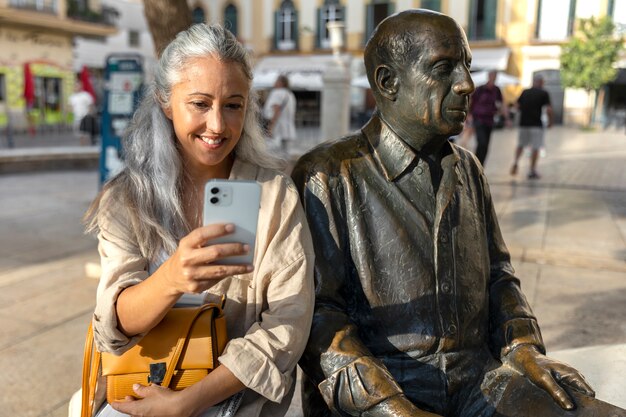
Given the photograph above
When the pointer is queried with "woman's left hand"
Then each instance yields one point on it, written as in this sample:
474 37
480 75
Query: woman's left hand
154 401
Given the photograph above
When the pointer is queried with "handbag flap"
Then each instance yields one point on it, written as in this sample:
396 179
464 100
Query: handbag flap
200 350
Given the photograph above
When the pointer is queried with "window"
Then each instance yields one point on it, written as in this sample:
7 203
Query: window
482 23
286 27
431 5
617 10
552 23
49 6
197 15
377 11
230 18
47 94
332 11
133 38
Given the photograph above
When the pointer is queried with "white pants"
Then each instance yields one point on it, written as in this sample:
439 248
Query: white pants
227 408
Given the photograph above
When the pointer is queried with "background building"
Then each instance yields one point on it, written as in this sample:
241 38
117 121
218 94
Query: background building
518 37
132 37
36 40
56 38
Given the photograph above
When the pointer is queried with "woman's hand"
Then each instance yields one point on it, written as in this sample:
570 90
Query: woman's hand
195 267
154 401
157 401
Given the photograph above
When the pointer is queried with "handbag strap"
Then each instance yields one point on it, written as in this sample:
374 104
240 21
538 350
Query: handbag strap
91 367
171 366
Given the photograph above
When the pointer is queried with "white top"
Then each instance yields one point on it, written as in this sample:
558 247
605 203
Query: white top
80 103
285 127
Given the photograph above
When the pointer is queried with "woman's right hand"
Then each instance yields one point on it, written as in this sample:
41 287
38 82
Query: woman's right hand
195 266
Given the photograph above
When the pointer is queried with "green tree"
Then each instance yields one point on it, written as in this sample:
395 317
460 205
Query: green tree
587 60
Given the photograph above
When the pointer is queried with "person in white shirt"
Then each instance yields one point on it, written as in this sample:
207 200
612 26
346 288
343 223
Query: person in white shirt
82 103
280 111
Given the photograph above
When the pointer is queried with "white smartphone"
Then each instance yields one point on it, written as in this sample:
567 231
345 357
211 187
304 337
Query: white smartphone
236 202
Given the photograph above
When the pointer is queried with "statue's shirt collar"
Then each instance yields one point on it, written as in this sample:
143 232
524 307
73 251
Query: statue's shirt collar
392 153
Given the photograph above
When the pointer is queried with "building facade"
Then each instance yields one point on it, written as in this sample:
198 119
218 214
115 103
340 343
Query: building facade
36 40
132 37
519 37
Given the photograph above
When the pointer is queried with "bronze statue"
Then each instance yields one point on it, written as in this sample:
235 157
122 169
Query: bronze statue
418 311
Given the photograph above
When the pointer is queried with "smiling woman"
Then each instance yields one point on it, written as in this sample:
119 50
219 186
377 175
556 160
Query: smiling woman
199 122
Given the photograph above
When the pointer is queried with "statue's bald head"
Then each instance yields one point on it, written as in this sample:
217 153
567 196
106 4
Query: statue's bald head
397 40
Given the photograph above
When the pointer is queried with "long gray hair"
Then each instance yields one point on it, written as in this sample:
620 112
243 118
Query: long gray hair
151 183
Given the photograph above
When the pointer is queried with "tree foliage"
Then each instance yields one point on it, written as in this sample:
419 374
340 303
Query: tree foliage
587 60
165 19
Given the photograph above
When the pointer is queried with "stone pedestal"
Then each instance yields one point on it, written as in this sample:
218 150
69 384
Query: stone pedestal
335 111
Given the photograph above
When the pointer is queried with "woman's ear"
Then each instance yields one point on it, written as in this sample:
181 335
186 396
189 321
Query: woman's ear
167 109
387 81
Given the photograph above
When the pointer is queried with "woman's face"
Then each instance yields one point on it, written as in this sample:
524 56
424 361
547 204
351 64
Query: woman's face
207 108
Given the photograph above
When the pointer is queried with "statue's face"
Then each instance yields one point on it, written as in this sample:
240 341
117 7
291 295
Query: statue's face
433 94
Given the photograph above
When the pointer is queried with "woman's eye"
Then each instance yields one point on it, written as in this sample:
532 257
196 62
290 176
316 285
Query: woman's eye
234 106
199 104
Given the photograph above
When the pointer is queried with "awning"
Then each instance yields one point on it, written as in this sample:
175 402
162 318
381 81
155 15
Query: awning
502 79
304 71
490 58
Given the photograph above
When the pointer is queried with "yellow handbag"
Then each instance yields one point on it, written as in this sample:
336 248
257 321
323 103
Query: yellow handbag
181 350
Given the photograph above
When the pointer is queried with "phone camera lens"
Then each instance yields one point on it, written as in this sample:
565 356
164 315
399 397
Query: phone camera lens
214 200
215 190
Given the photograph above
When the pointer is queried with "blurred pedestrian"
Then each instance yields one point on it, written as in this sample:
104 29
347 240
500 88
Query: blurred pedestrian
485 104
531 105
280 112
82 103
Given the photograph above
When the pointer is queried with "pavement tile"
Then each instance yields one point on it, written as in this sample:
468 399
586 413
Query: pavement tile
579 307
49 366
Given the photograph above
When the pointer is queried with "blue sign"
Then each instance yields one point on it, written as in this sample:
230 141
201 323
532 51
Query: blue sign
123 77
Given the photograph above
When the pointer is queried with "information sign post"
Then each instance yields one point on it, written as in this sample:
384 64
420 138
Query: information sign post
123 87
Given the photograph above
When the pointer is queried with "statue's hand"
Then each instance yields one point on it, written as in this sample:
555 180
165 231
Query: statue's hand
548 374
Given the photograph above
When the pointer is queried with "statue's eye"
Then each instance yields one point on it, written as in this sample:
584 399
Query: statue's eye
443 67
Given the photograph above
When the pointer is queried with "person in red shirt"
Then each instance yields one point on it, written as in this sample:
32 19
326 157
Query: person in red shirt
485 103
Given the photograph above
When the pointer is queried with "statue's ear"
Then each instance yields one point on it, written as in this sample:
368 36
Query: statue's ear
387 81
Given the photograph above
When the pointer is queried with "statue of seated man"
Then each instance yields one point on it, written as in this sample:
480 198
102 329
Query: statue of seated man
418 311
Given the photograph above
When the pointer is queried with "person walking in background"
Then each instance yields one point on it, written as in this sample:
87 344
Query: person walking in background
530 105
485 103
280 112
82 103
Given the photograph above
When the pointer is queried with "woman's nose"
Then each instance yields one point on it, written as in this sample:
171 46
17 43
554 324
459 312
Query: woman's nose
215 120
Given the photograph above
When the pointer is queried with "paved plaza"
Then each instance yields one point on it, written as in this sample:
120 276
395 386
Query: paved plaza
566 233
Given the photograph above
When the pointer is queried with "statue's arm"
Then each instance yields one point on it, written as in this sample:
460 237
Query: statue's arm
512 322
514 329
351 380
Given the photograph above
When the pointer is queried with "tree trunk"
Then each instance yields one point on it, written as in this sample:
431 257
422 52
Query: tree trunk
590 107
165 19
